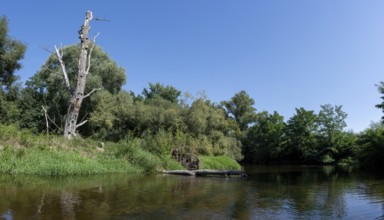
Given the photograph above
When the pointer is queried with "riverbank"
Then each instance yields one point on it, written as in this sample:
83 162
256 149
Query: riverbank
22 152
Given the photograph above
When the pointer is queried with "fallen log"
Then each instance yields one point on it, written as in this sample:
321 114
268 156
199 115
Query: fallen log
205 172
179 172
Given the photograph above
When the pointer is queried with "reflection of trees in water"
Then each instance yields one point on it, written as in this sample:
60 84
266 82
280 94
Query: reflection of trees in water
301 193
278 194
43 198
154 197
68 202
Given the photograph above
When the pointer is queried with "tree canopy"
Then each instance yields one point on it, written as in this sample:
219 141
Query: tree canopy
48 89
169 93
380 87
11 52
240 108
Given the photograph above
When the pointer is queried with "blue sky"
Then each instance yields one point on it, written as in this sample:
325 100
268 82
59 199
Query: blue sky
285 54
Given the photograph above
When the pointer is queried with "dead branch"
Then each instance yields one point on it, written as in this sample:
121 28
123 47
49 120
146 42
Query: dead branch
59 54
46 119
81 124
48 50
102 19
90 53
93 90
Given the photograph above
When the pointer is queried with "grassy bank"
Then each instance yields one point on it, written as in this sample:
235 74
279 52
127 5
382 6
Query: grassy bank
218 163
22 152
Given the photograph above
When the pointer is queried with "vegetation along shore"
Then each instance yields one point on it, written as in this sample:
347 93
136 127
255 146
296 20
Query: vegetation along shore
71 119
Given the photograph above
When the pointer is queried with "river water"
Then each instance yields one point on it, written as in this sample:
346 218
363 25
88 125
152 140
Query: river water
270 192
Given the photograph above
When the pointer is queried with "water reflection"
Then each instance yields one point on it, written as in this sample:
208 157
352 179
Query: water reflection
288 192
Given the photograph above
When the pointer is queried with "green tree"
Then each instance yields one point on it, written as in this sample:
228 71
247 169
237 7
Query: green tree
9 111
205 120
157 114
169 93
265 139
203 117
30 103
11 52
48 89
380 87
240 108
371 152
301 133
111 118
331 121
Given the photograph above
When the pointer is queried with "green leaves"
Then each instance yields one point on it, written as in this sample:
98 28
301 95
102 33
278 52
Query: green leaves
371 153
240 108
169 93
11 52
307 137
301 131
380 88
47 88
264 139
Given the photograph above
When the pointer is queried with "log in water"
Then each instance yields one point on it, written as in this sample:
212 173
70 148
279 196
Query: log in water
205 172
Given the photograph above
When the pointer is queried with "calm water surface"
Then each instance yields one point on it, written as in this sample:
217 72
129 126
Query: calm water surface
278 192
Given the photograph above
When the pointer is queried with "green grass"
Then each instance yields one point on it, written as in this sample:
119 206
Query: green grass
22 152
218 163
58 163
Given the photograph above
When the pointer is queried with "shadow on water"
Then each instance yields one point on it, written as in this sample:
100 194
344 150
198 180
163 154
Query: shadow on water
272 192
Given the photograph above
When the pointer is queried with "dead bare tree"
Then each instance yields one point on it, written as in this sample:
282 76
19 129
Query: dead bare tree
76 95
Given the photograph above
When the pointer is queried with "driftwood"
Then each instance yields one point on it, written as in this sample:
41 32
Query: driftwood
225 173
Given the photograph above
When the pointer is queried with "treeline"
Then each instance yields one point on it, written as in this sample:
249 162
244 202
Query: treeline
164 119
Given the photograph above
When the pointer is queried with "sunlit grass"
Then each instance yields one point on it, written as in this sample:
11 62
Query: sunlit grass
218 163
59 163
22 152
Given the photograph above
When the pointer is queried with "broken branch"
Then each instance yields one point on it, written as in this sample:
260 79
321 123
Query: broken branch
90 53
82 123
46 119
59 54
93 90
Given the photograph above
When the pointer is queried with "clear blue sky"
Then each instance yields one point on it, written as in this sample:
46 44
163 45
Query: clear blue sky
285 54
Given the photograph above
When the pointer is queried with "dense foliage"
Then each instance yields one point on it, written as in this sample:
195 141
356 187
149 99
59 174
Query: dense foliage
372 147
11 52
306 138
160 120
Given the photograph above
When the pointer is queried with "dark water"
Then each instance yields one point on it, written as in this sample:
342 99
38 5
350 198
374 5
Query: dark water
283 192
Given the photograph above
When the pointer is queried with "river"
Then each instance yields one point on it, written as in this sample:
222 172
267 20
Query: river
270 192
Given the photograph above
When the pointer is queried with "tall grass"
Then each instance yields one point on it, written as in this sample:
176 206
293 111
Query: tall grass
22 152
58 163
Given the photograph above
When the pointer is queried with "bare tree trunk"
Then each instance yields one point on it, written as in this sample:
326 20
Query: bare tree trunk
46 119
77 95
